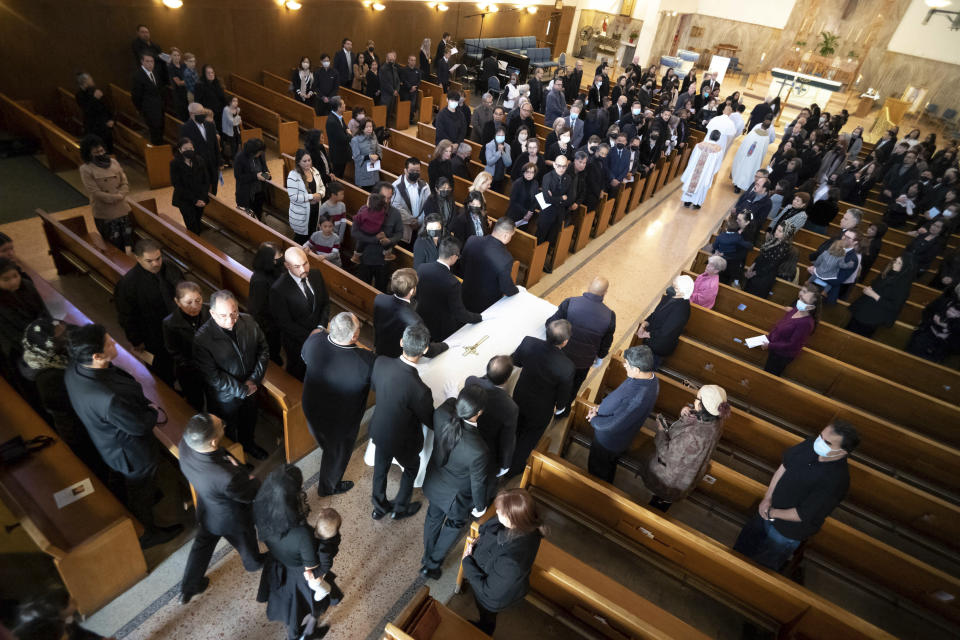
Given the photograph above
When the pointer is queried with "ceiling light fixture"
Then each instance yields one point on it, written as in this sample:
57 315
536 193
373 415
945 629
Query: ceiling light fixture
937 7
293 5
173 4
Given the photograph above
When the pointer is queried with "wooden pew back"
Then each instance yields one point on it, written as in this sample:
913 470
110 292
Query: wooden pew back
281 103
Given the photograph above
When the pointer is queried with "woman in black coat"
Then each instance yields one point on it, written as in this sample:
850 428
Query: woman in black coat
927 245
463 225
20 304
523 195
441 201
372 82
440 166
456 478
498 564
178 330
321 161
97 117
662 328
280 513
763 272
426 248
191 187
209 93
249 169
870 247
882 301
267 267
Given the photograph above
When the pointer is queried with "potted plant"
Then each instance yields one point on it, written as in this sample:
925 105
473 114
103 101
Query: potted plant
828 43
633 36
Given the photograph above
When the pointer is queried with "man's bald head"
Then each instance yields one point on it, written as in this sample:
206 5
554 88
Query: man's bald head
295 259
599 286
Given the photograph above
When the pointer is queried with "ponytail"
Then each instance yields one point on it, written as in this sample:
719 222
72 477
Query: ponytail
470 402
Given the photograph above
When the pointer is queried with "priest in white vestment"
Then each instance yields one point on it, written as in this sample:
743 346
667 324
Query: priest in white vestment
725 125
750 156
705 160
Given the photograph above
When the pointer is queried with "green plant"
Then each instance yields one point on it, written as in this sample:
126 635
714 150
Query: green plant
828 43
852 54
801 43
634 35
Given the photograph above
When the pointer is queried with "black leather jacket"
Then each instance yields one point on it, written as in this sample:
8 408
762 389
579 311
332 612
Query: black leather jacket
226 365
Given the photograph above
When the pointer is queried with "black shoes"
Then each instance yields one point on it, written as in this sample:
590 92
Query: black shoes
696 206
411 509
737 190
318 633
255 451
342 487
159 535
377 514
185 596
686 205
431 574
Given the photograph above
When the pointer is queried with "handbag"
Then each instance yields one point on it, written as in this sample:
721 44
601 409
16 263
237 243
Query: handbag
16 448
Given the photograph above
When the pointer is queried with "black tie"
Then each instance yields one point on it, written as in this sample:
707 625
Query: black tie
312 299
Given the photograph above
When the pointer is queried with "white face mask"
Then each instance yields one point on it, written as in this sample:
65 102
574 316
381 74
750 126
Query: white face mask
452 105
822 449
564 139
326 64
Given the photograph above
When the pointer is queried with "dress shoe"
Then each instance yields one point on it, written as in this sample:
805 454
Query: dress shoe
318 633
159 535
686 205
341 487
696 206
185 596
562 413
255 451
377 514
737 190
431 574
547 270
411 509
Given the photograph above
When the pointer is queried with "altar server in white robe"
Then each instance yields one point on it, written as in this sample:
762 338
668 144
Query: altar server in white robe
705 160
750 155
725 125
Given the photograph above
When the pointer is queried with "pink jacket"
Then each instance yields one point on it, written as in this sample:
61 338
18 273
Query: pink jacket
705 289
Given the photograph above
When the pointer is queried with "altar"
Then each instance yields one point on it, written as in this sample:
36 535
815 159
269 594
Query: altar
504 326
802 89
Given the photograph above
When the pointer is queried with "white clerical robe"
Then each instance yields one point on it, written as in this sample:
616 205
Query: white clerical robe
749 157
727 129
705 160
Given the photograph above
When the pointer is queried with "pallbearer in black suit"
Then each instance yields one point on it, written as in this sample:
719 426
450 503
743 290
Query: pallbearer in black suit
543 387
147 98
225 492
487 267
335 391
439 295
299 304
498 424
144 297
404 403
232 354
392 314
120 420
457 475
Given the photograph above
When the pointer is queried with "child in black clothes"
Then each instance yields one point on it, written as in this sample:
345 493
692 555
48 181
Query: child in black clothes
324 584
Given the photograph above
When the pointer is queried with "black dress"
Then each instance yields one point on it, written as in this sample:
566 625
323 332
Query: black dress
766 267
17 310
282 585
372 87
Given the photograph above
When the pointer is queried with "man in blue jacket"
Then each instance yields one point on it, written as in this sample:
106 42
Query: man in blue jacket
618 162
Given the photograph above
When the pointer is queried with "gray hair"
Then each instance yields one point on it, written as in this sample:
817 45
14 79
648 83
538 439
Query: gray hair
856 213
415 340
717 262
342 327
640 357
199 430
223 294
464 149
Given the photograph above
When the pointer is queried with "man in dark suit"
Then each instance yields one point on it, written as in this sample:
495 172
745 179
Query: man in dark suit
557 191
225 491
326 84
338 138
543 388
593 324
440 298
449 123
390 87
203 134
900 175
392 314
143 45
456 477
410 79
404 403
335 390
618 111
120 420
343 63
441 49
618 163
761 112
144 297
535 82
147 98
574 79
299 304
443 69
231 353
575 123
709 82
498 423
487 267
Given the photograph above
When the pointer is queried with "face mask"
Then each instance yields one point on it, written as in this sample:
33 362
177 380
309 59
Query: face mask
326 64
822 449
200 118
104 161
573 116
620 145
433 233
444 193
803 306
500 139
591 148
671 291
654 138
189 154
413 176
475 209
564 139
635 147
452 105
278 263
370 49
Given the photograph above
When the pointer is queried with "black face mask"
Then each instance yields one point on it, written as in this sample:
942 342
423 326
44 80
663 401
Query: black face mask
200 118
370 49
475 209
278 264
102 161
413 176
620 145
188 154
671 291
433 233
444 193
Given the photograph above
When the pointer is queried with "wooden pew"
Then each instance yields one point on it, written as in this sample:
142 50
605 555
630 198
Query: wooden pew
427 619
61 149
428 133
425 113
887 445
610 512
876 496
833 378
353 99
841 543
285 132
279 102
71 116
888 249
583 222
867 354
93 541
604 214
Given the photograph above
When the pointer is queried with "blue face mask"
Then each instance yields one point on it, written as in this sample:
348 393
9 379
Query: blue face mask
822 449
803 306
635 112
573 116
500 139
